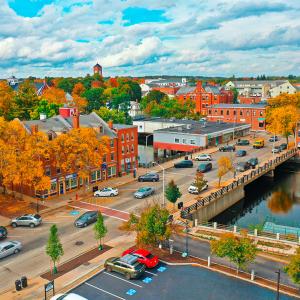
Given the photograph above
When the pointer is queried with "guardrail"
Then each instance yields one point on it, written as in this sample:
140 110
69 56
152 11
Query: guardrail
266 167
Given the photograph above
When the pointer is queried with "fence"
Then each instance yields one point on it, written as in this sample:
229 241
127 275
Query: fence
266 167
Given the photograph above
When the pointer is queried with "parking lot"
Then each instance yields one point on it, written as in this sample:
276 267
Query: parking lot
173 282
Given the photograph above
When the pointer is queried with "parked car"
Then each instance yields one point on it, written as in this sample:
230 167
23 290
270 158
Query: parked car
242 166
150 177
127 265
3 232
241 153
259 144
283 146
204 167
27 220
203 157
70 296
194 190
227 148
273 138
253 161
106 192
276 149
10 247
86 219
243 143
144 192
184 164
144 257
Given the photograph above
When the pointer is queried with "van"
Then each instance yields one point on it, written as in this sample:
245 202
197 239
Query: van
258 144
204 167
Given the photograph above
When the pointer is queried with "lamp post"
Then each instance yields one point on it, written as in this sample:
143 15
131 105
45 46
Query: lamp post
163 171
187 238
278 283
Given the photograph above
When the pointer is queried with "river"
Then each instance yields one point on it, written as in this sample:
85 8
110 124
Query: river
274 200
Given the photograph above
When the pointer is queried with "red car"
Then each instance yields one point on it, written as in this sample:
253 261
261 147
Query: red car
144 257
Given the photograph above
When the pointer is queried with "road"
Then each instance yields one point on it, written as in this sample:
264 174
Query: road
32 260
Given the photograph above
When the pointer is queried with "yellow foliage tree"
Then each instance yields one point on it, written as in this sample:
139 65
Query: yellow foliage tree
78 89
224 166
7 100
55 95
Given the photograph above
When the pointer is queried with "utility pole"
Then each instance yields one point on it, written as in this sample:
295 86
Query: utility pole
278 283
187 238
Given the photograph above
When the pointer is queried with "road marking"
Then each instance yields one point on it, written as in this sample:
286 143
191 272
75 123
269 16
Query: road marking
113 217
104 291
107 207
151 273
181 174
127 189
14 236
123 279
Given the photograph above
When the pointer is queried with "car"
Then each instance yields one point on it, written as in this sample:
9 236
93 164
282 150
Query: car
243 143
273 138
3 232
258 144
283 146
184 164
70 296
227 148
203 157
204 167
106 192
241 153
127 265
253 161
194 190
9 247
149 177
276 149
144 257
86 219
27 220
242 166
144 192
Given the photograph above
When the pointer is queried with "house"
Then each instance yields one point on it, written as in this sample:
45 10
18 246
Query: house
162 82
283 88
253 114
170 91
135 109
40 86
121 159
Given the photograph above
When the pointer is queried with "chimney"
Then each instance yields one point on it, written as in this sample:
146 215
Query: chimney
199 85
34 128
75 120
110 124
43 116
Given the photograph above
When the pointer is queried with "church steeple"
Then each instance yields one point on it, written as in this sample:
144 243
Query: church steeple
97 69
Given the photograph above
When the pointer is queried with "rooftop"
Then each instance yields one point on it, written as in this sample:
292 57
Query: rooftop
122 126
225 105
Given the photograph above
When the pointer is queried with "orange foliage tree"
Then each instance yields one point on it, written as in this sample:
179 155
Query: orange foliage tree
7 100
55 95
78 89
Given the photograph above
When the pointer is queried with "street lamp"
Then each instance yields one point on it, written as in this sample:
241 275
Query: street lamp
163 171
187 238
278 283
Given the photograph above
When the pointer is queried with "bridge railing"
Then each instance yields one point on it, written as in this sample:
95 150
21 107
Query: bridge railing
267 166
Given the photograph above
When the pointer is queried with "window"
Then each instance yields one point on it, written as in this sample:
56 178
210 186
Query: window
127 149
47 171
176 140
50 137
209 111
127 137
234 112
298 133
112 143
216 111
93 176
247 113
183 141
227 112
100 129
241 112
141 126
111 171
112 156
192 142
132 136
122 149
222 112
122 137
261 124
123 167
104 158
58 170
261 113
254 113
132 148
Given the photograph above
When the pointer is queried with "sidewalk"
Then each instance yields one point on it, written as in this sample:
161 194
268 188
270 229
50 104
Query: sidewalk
35 289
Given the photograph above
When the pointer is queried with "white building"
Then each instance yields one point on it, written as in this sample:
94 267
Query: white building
135 109
285 87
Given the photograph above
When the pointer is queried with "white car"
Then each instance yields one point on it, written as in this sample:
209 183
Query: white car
10 247
70 296
194 190
106 192
203 157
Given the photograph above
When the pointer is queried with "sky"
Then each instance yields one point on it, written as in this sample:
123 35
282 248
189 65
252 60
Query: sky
149 37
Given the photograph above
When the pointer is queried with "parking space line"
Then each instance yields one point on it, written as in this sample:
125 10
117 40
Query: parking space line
151 273
123 279
104 291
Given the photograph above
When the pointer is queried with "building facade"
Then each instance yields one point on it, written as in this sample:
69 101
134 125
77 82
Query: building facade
253 114
97 69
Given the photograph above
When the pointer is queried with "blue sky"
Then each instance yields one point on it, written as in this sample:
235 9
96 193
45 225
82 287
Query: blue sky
143 37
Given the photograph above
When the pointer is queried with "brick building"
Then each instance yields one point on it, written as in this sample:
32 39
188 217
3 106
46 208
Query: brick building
253 114
121 159
205 95
168 90
249 99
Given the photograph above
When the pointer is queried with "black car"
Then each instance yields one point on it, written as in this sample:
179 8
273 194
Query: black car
242 166
273 138
253 161
204 167
227 148
86 219
3 232
150 177
283 146
184 164
243 143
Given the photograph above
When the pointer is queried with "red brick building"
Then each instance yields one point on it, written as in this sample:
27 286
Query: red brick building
253 114
97 69
168 90
249 99
205 95
121 159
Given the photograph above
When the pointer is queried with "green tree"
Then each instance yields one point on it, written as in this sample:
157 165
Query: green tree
200 182
293 268
118 117
100 230
54 247
235 94
121 102
156 96
239 250
50 109
95 98
66 84
172 192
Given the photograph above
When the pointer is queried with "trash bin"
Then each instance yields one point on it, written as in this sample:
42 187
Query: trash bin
18 285
24 281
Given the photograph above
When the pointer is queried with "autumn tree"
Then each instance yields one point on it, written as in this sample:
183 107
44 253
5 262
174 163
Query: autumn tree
44 107
293 267
200 182
7 101
55 95
239 250
78 89
172 192
224 166
79 102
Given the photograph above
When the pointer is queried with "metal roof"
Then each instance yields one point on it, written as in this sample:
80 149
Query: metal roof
225 105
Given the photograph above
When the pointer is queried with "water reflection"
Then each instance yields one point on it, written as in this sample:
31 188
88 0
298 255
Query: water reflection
280 202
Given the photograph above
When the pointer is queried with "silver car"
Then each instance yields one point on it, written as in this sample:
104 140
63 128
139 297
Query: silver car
27 220
10 247
144 192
